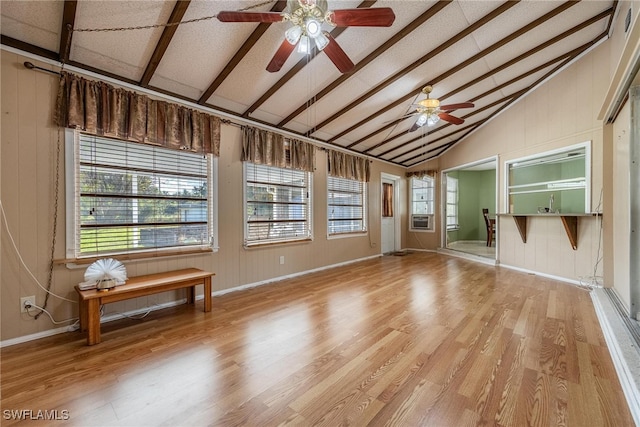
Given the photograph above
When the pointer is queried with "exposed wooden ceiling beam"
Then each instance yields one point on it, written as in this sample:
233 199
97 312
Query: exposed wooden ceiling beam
480 55
373 55
296 68
176 16
48 54
36 50
388 81
441 149
559 67
240 54
66 32
474 81
458 89
442 127
457 129
572 55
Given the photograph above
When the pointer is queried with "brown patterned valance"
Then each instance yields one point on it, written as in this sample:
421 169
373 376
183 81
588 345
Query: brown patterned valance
101 109
343 165
262 147
421 174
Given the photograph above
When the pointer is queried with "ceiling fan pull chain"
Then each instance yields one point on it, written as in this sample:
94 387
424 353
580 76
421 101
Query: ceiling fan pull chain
169 24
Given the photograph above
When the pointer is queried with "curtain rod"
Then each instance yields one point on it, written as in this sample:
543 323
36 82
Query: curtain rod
223 116
31 66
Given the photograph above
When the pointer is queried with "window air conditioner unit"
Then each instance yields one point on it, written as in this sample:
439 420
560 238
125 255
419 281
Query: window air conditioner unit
422 222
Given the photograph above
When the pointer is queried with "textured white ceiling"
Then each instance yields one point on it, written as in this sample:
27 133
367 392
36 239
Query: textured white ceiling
200 51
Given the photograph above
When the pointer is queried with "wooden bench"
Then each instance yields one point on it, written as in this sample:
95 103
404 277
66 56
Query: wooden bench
90 300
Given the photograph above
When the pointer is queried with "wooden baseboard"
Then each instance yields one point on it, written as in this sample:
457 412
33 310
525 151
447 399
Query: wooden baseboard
116 316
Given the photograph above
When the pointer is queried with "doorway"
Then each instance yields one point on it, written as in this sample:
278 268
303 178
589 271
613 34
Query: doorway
390 215
467 190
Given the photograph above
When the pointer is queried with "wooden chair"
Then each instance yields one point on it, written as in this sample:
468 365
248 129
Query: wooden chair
491 226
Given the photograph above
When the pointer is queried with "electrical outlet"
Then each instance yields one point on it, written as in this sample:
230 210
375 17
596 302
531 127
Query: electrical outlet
24 300
281 259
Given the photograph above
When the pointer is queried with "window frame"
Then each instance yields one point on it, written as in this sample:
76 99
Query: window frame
365 225
431 202
456 224
536 160
72 174
308 236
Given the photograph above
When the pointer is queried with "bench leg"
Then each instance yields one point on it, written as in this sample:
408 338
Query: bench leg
82 314
191 294
207 294
93 321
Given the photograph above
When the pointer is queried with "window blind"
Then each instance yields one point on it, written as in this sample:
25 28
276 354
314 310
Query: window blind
135 197
345 204
277 204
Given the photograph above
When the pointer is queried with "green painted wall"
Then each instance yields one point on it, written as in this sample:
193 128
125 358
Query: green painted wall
477 190
568 201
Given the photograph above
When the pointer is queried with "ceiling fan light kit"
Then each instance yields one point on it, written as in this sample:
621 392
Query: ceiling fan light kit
427 119
307 17
293 34
304 45
430 111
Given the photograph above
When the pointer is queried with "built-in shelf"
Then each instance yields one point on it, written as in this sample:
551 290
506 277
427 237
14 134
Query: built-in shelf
569 220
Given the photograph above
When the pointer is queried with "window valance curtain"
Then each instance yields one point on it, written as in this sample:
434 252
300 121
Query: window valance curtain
343 165
262 147
99 108
421 174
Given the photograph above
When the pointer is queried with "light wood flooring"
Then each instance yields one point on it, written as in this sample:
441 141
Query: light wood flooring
474 247
416 340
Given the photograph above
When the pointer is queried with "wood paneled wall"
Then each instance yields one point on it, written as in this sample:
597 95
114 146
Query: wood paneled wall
27 169
561 112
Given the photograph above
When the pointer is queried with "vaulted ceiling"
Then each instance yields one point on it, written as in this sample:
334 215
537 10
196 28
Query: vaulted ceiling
489 53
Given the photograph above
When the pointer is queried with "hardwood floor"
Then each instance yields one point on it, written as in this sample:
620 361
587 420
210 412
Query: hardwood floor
416 340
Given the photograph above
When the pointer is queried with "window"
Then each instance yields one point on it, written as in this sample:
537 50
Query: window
452 203
131 197
422 203
387 200
277 204
557 181
346 201
422 196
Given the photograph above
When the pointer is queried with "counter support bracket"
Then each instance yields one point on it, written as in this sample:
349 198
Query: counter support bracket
570 223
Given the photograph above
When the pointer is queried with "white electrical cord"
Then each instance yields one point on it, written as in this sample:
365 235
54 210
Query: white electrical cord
595 281
140 317
15 248
55 322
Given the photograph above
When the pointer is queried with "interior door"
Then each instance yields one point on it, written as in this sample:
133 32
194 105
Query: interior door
388 216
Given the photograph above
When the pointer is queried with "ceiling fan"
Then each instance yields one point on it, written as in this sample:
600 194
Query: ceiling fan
307 17
430 111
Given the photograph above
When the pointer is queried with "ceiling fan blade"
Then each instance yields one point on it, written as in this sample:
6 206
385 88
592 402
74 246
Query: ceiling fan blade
451 119
456 106
281 56
233 16
337 55
365 17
